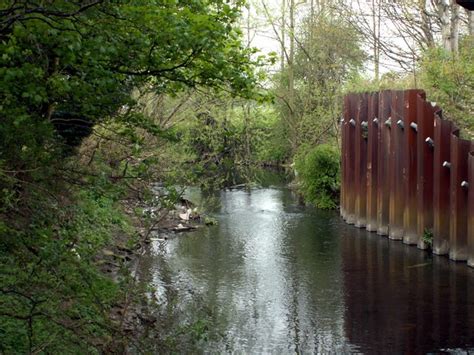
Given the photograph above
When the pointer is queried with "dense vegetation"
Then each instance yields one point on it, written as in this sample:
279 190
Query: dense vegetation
449 81
319 172
358 46
100 99
75 149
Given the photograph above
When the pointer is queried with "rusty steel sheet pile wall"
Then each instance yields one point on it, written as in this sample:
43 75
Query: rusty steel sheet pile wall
383 181
343 160
349 124
410 166
372 161
425 150
395 171
470 217
361 162
441 185
459 174
406 173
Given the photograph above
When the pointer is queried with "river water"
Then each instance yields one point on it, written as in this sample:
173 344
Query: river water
277 277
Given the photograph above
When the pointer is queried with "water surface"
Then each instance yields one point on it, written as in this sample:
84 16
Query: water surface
277 277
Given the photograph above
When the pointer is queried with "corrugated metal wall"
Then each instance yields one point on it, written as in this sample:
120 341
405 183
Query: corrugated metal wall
406 173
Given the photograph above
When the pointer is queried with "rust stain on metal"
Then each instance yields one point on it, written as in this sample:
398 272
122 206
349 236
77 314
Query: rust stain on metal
410 166
383 181
405 171
373 137
470 218
350 163
441 185
361 162
425 152
343 123
459 175
396 170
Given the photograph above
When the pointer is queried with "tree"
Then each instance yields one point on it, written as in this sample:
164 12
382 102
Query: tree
328 55
68 70
410 28
69 65
470 22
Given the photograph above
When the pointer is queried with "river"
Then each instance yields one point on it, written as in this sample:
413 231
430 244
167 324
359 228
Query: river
278 277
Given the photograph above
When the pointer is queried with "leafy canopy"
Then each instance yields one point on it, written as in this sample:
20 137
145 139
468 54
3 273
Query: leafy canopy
67 67
75 63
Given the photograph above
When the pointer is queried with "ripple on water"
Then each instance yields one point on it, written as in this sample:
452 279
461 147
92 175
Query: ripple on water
277 277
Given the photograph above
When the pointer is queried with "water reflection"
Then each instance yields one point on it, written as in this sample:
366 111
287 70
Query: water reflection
277 277
402 299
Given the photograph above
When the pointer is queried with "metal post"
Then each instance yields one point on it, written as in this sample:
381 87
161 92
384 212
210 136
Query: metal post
345 118
373 136
383 183
425 148
361 163
350 162
441 185
397 198
470 217
410 165
459 196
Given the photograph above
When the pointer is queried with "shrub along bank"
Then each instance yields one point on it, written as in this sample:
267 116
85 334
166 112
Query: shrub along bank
318 174
77 153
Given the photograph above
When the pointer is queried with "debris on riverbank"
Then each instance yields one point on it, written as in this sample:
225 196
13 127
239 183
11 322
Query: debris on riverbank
135 316
183 217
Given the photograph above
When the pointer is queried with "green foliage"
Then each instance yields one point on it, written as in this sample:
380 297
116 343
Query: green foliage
219 138
359 83
215 145
449 81
62 73
53 299
428 238
270 137
210 221
319 175
327 56
74 146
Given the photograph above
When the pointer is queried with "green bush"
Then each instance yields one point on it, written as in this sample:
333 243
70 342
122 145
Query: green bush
319 175
53 297
449 81
428 237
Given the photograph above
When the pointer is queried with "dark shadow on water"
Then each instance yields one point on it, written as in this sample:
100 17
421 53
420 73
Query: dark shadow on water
398 297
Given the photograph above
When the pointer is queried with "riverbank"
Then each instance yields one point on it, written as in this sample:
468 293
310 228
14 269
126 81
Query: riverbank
139 318
136 316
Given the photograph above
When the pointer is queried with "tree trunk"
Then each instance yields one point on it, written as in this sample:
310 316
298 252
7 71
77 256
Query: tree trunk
291 79
426 23
445 21
455 19
470 22
283 30
376 37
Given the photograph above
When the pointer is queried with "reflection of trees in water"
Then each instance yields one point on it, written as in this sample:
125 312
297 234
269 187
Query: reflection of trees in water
314 289
266 279
275 276
270 273
182 315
